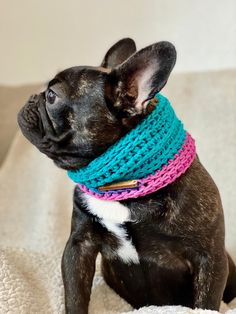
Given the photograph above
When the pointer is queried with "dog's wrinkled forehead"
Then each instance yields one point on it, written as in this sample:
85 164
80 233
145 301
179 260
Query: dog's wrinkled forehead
80 81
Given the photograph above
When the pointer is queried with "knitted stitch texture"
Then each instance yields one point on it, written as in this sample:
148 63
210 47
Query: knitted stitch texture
158 146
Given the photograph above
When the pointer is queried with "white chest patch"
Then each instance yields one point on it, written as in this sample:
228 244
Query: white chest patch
112 215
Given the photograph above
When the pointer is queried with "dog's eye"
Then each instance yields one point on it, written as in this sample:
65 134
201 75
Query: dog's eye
51 96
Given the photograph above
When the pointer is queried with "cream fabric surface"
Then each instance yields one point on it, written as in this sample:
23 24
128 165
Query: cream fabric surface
36 202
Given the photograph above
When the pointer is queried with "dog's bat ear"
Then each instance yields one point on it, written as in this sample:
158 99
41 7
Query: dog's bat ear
119 52
145 73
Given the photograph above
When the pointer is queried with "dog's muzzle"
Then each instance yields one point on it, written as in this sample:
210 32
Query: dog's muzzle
29 114
29 117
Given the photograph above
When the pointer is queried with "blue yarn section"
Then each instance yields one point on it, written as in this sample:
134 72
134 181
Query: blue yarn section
141 152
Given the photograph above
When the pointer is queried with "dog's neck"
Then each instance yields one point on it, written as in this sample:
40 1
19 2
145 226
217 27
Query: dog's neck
152 155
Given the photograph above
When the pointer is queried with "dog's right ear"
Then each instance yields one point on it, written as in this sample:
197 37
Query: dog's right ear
118 53
136 81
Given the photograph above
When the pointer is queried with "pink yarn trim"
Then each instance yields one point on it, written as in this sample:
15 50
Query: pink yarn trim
166 175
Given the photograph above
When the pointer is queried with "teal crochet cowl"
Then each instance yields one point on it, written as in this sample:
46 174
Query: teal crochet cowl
147 148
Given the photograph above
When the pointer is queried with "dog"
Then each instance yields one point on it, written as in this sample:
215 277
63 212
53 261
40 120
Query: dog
165 248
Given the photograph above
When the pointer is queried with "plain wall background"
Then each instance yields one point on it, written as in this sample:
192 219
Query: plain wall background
41 37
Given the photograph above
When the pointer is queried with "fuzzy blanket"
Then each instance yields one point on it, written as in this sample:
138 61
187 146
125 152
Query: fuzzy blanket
36 201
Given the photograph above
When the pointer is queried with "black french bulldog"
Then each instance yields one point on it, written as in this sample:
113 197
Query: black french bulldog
167 248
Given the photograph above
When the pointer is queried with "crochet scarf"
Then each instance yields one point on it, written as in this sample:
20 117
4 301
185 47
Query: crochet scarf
152 155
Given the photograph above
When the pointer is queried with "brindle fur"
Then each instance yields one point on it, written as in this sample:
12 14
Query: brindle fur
177 231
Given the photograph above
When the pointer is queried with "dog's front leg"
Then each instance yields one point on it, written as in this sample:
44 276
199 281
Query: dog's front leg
210 277
78 264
